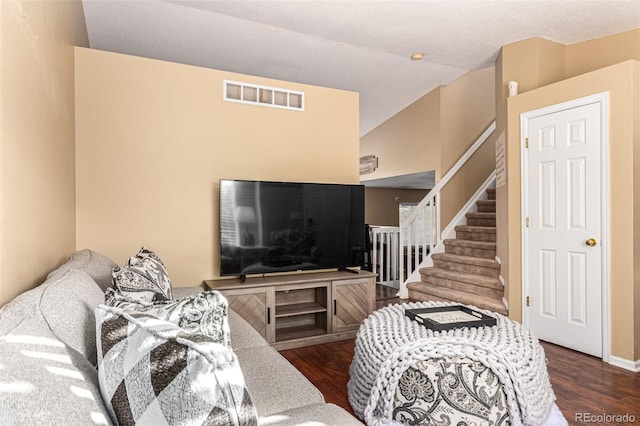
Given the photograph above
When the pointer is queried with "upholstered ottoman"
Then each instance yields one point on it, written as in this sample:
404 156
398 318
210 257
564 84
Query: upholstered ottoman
405 373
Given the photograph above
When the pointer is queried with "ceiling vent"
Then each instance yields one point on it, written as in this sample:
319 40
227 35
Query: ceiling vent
254 94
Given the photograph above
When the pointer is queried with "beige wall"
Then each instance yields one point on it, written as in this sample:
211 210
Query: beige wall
382 204
409 142
594 54
468 108
154 138
619 81
37 180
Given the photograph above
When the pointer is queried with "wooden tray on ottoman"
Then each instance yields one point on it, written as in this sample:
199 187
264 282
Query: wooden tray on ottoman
443 318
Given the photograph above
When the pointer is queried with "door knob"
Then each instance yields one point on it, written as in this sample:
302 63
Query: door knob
591 242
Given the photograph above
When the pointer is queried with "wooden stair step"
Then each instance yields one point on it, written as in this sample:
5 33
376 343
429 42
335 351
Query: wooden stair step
467 264
428 292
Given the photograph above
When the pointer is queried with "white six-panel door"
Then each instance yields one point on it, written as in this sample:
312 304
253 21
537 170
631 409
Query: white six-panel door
562 237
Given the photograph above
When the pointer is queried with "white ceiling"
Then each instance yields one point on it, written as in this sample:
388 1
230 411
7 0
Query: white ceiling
356 45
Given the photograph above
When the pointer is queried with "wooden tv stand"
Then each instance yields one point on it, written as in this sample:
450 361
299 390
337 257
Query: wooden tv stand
303 309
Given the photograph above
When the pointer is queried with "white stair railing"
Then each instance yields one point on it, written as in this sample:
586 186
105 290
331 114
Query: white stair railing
421 230
385 249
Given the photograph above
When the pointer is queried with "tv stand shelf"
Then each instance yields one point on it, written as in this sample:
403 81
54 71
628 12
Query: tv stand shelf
301 309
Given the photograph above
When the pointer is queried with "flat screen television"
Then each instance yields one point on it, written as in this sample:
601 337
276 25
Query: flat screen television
270 227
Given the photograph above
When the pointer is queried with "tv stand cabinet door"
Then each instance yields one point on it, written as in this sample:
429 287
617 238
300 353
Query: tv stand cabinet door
255 305
353 301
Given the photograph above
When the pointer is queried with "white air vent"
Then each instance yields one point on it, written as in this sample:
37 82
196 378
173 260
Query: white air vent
263 95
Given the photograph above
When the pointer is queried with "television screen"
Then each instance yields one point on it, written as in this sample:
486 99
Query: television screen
286 226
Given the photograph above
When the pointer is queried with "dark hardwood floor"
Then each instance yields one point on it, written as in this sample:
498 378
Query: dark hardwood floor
386 296
586 388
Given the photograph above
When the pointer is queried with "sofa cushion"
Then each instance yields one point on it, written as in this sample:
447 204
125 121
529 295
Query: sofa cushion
276 385
314 414
144 277
95 264
45 382
68 307
243 335
204 312
153 372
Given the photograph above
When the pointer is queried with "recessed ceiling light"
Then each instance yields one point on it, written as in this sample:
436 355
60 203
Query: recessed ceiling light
417 56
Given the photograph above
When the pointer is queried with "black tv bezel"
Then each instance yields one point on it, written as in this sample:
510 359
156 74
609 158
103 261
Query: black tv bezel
345 267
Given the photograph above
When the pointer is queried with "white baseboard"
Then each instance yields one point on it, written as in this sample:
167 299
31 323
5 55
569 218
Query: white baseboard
505 302
627 364
501 279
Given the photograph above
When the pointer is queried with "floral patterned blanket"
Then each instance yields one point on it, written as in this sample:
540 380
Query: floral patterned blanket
450 392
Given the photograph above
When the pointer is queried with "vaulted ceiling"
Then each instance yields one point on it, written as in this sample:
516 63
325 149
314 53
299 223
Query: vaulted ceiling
362 46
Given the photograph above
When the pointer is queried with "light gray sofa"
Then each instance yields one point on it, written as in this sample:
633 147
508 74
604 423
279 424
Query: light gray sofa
48 357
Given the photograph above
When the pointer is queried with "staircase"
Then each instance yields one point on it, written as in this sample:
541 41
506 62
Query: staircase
467 271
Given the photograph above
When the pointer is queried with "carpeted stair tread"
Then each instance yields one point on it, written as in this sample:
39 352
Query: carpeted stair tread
482 229
479 280
467 264
491 193
486 245
483 215
424 292
486 205
481 219
484 249
454 284
476 233
467 260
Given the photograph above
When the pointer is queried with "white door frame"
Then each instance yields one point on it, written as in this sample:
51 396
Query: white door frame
603 100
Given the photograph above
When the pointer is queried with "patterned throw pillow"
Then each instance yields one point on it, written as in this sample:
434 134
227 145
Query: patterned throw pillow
144 277
205 313
152 372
